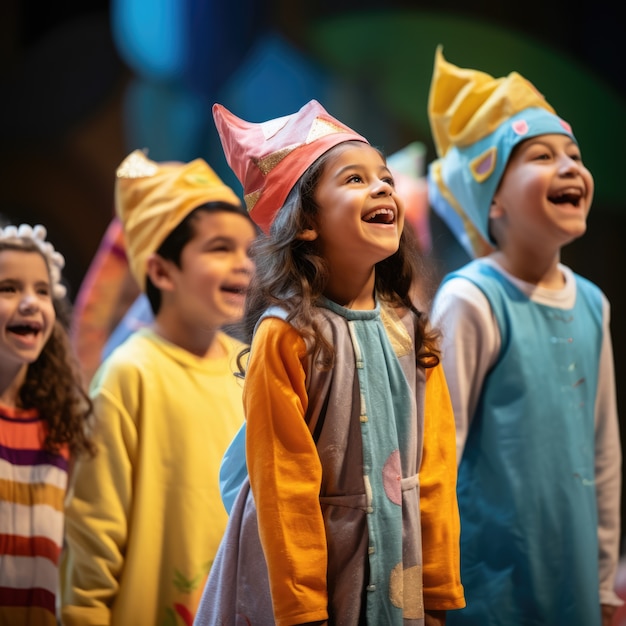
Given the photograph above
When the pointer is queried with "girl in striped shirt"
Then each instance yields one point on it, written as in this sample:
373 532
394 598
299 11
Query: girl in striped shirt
43 413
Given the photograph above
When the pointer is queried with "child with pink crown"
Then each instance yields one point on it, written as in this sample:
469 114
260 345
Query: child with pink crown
349 514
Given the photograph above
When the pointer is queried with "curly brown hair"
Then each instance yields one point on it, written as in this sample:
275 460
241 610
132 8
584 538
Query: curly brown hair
291 273
53 384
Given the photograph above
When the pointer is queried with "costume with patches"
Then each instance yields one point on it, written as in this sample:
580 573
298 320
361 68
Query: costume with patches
369 454
349 513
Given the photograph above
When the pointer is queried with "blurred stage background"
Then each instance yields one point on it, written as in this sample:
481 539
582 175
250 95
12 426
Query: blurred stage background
84 83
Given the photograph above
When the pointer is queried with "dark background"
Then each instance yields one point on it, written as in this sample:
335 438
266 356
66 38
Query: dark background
62 126
64 129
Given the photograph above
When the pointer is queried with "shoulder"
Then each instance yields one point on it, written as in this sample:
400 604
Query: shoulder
138 343
460 287
128 362
272 326
461 291
470 277
230 343
276 335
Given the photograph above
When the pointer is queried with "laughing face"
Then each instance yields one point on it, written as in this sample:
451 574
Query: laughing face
545 194
215 270
26 309
360 216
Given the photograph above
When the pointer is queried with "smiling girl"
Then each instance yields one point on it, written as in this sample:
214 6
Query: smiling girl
43 412
349 515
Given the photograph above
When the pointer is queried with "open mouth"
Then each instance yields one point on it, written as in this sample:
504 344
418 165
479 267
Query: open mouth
573 197
380 216
238 290
25 329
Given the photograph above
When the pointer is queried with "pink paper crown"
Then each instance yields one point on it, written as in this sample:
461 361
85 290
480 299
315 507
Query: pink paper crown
269 157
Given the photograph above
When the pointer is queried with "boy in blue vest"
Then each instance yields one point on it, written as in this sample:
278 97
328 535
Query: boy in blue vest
528 357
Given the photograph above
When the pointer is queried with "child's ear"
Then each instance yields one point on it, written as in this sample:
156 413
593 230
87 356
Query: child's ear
308 234
158 269
495 210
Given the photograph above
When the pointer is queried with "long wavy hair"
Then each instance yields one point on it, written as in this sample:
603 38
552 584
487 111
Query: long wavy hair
292 273
53 384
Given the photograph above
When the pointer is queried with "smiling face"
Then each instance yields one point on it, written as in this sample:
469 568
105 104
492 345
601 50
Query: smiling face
360 216
26 310
545 195
208 289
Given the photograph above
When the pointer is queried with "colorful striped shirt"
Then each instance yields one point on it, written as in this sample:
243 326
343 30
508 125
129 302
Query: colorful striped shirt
33 483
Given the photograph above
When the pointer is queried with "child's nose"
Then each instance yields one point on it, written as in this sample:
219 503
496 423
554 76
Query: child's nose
28 304
245 262
569 164
382 188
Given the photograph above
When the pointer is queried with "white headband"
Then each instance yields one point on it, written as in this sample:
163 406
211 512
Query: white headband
55 260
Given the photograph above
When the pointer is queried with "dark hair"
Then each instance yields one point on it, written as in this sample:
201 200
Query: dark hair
172 247
53 382
292 273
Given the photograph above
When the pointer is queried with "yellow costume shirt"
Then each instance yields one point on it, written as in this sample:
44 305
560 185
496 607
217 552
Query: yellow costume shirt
145 517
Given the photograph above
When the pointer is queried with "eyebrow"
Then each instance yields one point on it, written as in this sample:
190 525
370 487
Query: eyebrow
358 166
216 239
532 141
11 280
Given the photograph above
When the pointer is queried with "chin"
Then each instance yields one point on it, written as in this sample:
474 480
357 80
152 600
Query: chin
575 233
233 317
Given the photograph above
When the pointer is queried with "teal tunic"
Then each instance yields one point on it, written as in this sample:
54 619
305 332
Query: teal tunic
385 415
527 497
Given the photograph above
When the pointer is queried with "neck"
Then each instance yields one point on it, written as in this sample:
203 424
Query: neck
200 342
536 270
352 292
10 385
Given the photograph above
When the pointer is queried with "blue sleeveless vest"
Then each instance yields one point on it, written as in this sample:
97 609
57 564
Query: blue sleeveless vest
527 497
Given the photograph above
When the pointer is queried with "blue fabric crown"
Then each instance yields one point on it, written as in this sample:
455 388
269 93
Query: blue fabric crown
461 185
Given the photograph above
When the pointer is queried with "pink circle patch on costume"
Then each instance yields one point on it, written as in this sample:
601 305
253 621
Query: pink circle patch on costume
392 477
520 127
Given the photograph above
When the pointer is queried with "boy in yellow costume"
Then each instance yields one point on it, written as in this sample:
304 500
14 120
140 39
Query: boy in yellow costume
145 517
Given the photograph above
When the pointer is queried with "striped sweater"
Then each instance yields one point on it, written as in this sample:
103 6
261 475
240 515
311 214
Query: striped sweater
33 483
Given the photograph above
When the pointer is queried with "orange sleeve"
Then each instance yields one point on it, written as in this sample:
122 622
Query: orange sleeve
285 474
438 503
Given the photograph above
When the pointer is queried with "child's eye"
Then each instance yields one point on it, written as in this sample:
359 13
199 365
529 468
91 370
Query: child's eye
390 181
7 288
354 178
220 248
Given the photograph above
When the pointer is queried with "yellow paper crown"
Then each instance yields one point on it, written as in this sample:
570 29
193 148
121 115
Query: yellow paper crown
151 199
465 105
